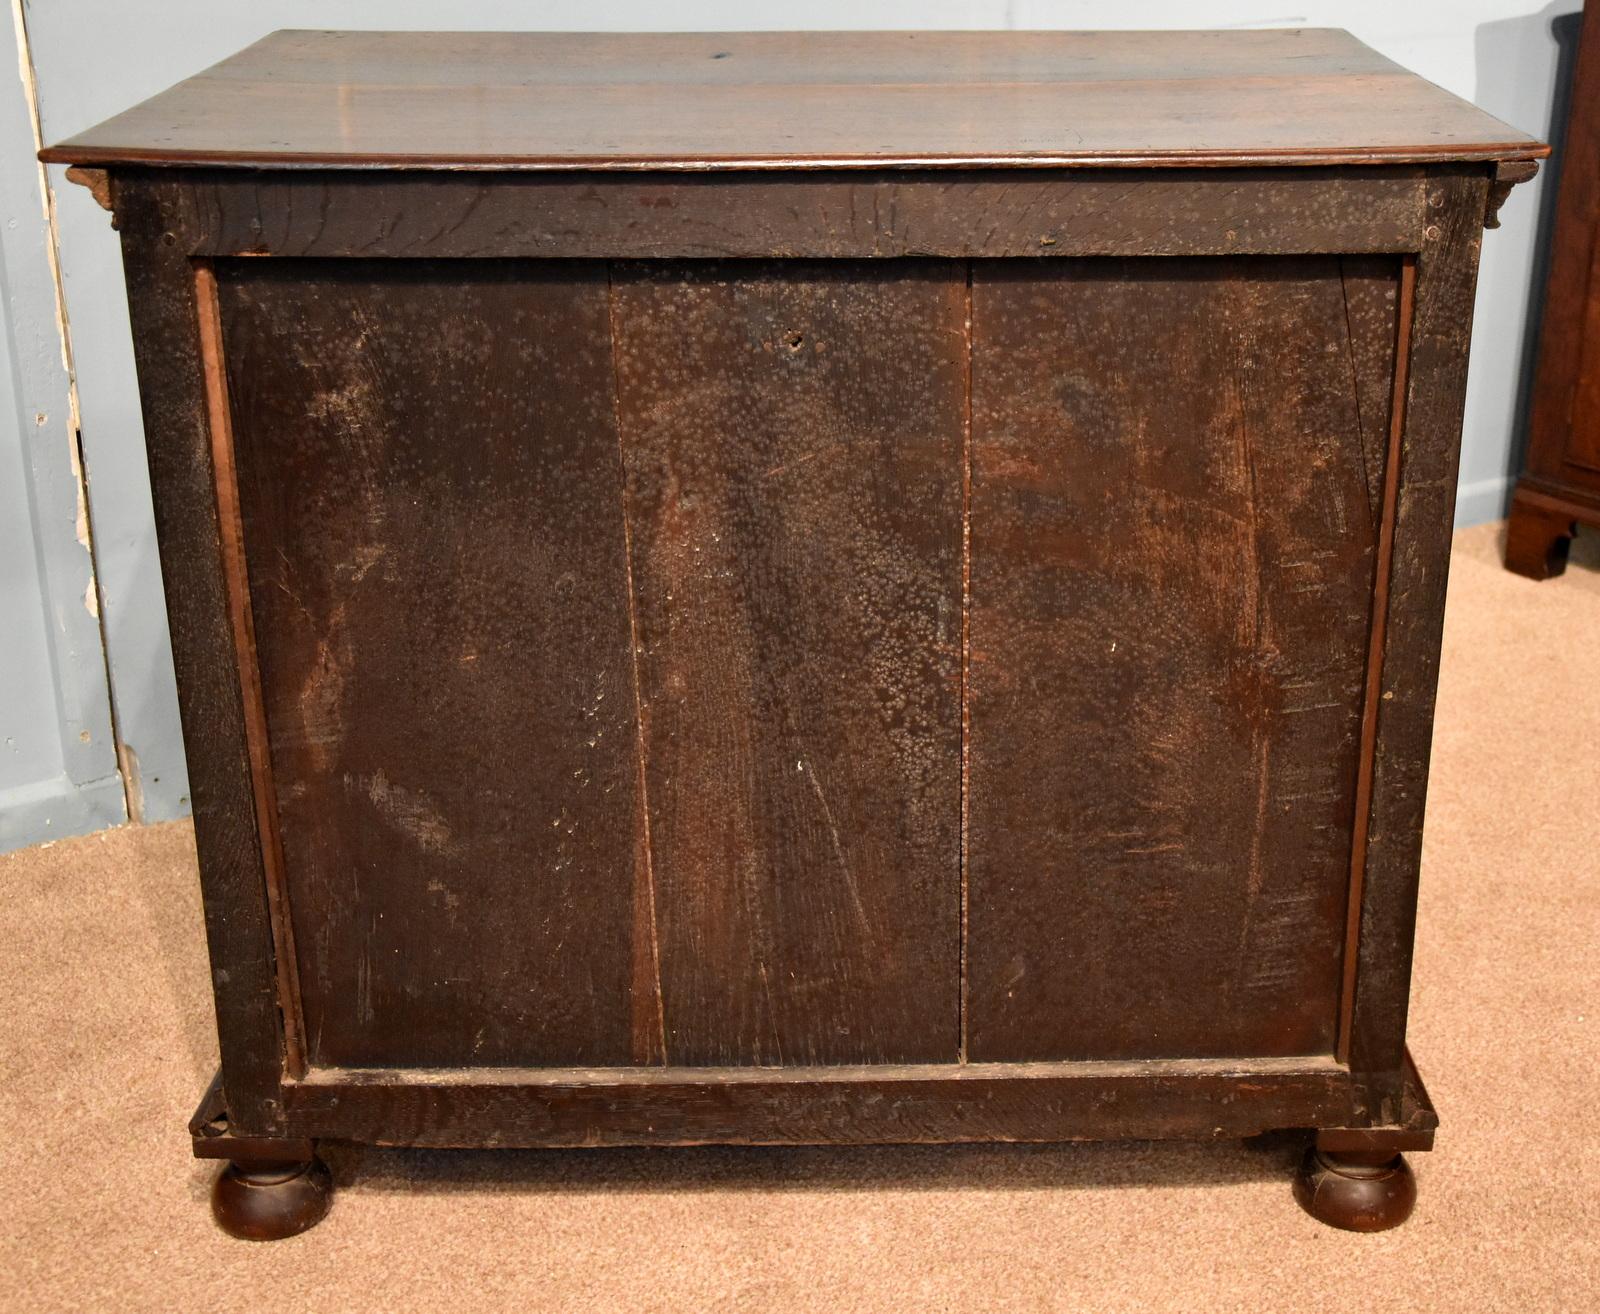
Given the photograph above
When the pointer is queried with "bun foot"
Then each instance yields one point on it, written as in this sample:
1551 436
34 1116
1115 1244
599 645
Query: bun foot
269 1201
1358 1192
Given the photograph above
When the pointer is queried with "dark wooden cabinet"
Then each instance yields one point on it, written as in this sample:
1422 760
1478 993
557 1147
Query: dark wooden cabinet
826 588
1560 488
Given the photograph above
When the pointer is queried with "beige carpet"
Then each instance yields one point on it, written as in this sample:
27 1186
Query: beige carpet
107 1044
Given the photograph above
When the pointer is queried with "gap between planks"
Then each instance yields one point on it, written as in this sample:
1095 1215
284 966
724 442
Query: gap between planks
966 659
644 904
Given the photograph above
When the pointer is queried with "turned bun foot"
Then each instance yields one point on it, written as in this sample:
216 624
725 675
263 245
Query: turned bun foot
269 1201
1358 1192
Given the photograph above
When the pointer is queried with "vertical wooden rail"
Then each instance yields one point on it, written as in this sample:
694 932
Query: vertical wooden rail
157 238
236 581
1380 619
1424 503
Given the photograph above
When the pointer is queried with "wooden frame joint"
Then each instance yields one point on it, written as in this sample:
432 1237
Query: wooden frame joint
212 1137
1406 1122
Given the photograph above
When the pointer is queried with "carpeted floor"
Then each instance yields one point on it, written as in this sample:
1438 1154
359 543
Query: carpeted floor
107 1044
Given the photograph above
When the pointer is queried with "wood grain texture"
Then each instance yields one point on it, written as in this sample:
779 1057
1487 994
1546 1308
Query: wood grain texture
882 214
793 442
1172 547
1446 280
829 1105
432 503
165 317
230 535
1378 632
531 100
1371 331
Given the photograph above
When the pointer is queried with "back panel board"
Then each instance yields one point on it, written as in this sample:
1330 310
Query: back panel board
628 635
546 804
430 487
1176 468
793 438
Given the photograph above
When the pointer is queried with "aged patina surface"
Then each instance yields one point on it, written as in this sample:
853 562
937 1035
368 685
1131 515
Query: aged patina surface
805 588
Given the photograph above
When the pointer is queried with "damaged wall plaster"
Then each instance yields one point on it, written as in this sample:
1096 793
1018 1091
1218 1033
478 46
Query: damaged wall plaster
58 765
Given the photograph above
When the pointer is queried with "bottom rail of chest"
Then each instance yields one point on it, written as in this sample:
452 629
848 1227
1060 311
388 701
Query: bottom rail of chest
1352 1174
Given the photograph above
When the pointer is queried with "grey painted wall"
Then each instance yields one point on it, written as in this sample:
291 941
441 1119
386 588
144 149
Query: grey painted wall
94 57
58 768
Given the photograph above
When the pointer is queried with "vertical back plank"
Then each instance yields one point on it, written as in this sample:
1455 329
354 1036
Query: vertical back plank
1172 549
793 440
431 491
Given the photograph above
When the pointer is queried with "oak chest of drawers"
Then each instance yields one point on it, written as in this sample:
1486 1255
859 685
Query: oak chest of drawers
789 589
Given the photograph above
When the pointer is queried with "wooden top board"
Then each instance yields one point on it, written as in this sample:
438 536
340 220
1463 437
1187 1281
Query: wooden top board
527 100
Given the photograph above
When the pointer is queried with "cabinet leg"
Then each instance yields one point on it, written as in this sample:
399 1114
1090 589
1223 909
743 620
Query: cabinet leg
270 1187
1537 539
1360 1191
267 1201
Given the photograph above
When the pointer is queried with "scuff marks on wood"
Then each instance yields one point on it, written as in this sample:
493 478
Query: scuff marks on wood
1371 312
413 813
793 437
1172 551
833 1104
431 501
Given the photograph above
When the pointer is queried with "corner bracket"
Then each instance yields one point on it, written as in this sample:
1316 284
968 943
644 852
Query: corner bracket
98 181
1507 174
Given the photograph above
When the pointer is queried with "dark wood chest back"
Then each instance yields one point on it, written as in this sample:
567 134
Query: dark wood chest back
760 588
